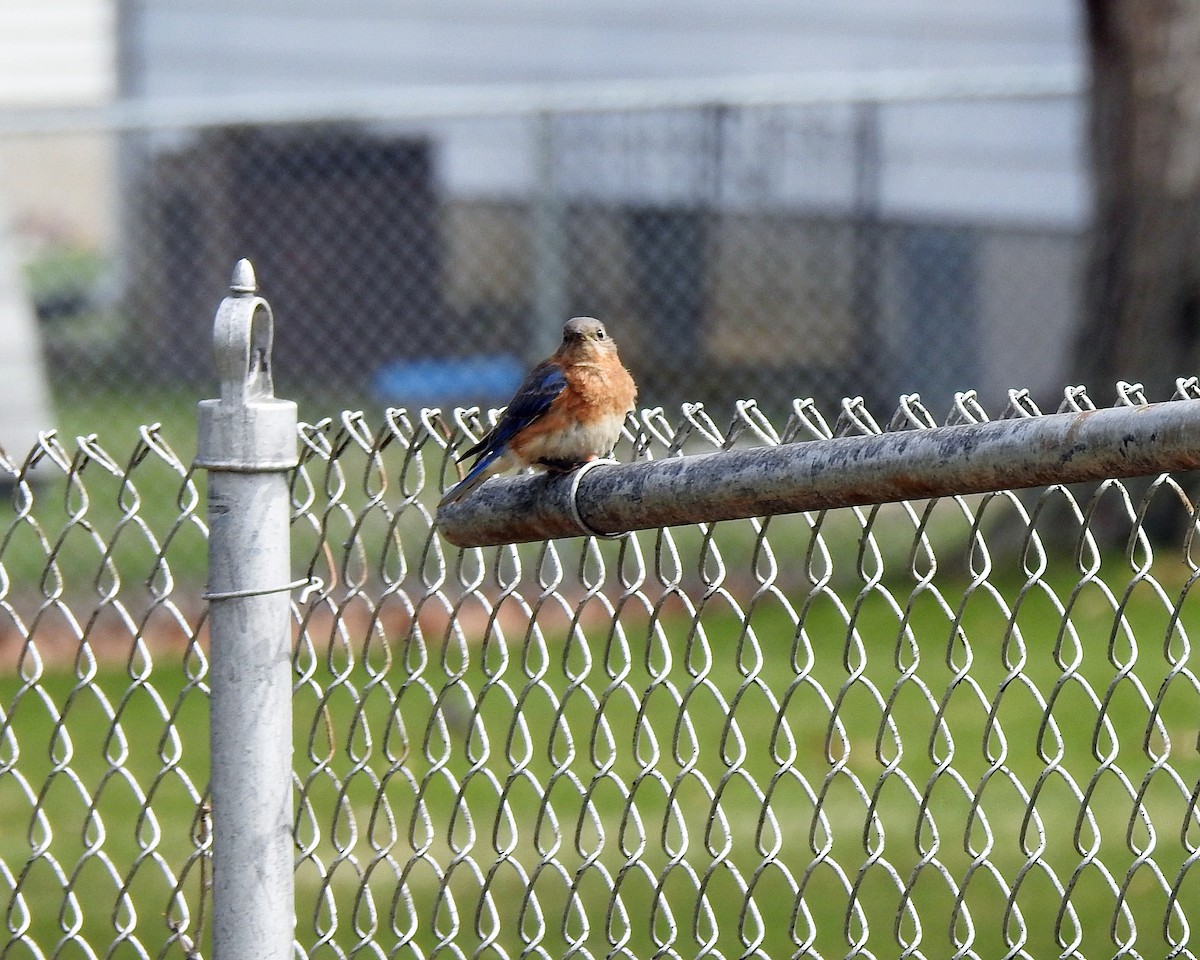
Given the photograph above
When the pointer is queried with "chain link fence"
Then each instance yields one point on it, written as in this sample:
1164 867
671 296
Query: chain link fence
418 257
952 727
964 726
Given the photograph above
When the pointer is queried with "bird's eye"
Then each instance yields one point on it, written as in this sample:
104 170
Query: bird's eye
599 334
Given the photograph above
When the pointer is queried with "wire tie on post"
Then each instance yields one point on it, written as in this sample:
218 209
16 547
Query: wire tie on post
312 583
573 501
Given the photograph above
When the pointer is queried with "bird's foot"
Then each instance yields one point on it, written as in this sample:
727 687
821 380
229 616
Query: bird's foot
562 464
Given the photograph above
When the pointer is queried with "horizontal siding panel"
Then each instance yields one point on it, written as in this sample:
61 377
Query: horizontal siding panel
489 42
56 52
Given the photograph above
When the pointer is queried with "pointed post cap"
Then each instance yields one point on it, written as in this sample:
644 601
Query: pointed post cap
244 282
248 429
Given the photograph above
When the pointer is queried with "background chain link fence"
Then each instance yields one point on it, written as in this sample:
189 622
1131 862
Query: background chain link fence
819 248
958 727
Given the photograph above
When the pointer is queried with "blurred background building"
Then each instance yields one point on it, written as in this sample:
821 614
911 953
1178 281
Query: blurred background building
828 198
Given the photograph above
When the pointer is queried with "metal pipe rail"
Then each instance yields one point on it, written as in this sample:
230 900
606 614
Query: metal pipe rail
422 102
1117 442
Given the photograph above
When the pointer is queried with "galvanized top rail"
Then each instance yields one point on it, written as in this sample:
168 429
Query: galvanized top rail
1088 445
425 102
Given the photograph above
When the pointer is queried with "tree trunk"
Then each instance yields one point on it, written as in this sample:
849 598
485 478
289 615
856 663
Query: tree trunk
1142 304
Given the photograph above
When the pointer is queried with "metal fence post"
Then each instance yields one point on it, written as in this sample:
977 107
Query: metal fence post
247 443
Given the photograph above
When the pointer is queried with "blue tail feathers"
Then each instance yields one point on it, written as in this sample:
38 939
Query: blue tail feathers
473 479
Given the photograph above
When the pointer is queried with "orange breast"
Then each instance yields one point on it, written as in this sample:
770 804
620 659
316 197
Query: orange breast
585 419
601 388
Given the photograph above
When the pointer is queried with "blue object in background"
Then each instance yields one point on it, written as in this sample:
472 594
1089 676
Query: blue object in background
449 381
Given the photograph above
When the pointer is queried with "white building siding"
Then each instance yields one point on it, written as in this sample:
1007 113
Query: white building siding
198 46
1004 161
56 52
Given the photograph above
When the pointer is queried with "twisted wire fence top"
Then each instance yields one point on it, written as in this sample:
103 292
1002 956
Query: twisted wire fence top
962 727
104 710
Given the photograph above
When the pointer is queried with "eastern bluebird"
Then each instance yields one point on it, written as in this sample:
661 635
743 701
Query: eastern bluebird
567 411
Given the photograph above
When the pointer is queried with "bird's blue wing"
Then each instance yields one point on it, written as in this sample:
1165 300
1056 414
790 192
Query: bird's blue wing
532 399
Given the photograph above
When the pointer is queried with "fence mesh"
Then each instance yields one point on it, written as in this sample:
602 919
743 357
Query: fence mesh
958 727
450 249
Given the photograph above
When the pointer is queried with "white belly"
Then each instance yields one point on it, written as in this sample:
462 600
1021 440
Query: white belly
578 442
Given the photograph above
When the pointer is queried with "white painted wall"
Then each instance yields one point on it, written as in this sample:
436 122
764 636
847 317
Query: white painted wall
56 52
1004 161
234 46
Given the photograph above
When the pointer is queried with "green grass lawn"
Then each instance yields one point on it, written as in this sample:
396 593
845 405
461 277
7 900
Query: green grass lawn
687 755
879 743
118 493
100 781
701 720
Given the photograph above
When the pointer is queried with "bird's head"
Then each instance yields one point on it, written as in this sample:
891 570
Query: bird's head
586 335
